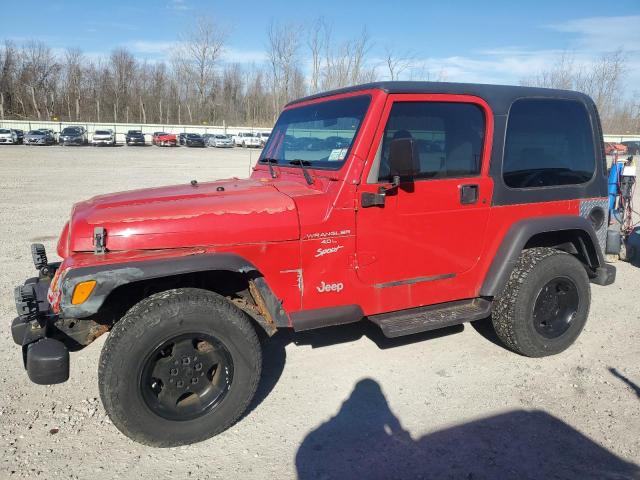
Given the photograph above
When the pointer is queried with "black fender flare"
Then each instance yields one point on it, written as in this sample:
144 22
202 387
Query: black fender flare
108 277
521 232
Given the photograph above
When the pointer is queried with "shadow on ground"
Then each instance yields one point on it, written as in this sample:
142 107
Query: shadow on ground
633 386
366 440
274 353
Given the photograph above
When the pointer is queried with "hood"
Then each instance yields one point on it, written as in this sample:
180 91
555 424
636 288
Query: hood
226 212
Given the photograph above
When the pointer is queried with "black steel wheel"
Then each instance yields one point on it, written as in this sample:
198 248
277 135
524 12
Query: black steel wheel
186 376
545 304
181 366
555 307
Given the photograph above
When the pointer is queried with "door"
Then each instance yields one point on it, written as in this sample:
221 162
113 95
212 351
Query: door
431 227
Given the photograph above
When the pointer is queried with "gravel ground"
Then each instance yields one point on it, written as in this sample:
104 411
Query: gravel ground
337 403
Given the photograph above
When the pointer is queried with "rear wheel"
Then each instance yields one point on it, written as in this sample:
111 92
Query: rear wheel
545 304
180 367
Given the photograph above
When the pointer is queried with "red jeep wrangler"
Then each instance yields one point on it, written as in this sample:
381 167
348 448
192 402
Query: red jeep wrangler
413 205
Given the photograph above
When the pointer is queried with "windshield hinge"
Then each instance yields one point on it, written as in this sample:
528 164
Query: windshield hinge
99 240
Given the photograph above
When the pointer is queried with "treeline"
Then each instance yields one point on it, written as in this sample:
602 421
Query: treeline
603 81
193 85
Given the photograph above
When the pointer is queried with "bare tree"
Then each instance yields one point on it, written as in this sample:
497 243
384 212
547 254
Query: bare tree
601 80
345 64
198 56
283 55
39 74
397 63
316 44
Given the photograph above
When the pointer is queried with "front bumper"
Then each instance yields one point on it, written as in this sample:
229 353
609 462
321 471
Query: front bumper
71 141
45 358
46 337
7 140
103 141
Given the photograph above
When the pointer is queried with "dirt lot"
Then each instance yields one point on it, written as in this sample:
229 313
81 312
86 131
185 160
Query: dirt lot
338 403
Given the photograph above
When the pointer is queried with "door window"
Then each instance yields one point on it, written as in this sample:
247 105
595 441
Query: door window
449 137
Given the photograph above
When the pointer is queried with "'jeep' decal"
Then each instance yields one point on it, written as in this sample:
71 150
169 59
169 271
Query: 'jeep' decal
330 287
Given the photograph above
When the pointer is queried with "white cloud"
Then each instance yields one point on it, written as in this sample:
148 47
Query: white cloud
152 48
179 5
603 34
589 39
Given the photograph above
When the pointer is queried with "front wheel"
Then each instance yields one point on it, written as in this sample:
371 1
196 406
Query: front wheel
545 304
181 366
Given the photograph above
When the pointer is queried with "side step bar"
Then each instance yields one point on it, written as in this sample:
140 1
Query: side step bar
421 319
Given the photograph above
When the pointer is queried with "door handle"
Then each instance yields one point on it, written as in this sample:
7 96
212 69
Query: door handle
468 194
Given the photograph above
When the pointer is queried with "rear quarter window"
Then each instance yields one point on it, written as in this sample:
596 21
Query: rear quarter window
548 142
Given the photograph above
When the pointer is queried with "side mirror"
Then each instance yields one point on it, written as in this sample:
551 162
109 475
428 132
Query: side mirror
403 159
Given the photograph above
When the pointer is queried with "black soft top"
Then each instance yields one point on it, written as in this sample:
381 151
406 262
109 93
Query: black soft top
499 97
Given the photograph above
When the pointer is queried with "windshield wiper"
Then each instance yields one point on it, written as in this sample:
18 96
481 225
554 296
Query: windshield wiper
303 164
270 162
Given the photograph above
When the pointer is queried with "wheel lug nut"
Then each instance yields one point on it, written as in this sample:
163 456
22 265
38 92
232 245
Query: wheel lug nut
179 384
194 380
186 360
198 367
173 371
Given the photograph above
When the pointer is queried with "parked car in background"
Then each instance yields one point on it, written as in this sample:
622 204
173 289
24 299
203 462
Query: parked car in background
246 139
220 141
73 136
193 140
39 137
181 138
633 147
207 137
53 133
8 136
134 137
611 148
19 135
163 139
263 136
103 137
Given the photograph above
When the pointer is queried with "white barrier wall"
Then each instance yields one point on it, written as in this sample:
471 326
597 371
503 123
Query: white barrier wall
122 128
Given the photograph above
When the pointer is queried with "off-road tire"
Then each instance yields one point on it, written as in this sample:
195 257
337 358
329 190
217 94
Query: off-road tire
136 335
512 311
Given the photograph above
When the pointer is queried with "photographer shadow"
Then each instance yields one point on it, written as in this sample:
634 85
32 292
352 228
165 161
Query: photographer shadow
366 440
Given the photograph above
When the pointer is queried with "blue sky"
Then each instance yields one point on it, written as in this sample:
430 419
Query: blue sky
484 41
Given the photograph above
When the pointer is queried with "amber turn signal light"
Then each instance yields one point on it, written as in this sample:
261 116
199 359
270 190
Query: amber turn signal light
82 291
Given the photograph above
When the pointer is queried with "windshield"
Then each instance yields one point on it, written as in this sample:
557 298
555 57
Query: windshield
320 134
71 131
221 137
103 132
4 130
36 132
193 135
